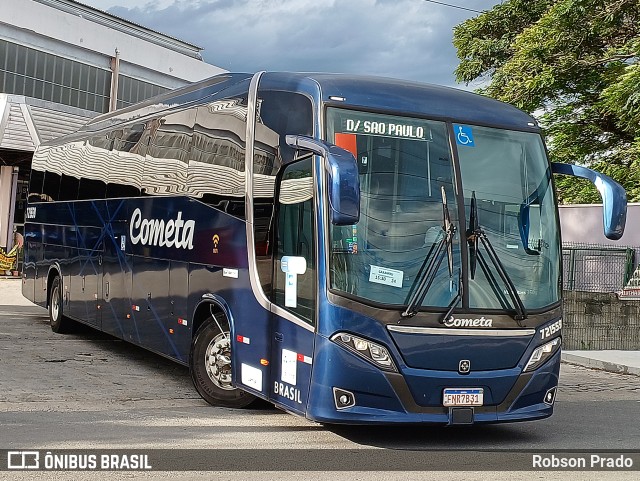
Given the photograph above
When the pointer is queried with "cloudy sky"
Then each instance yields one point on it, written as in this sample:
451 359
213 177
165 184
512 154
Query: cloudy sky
409 39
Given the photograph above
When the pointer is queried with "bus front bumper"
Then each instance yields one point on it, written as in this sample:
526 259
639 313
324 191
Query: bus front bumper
349 390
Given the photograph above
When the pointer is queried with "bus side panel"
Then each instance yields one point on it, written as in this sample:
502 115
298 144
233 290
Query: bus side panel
75 306
87 272
117 284
32 254
150 305
250 323
42 269
178 317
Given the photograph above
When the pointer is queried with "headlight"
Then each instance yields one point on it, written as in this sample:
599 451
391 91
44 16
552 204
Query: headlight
542 353
368 350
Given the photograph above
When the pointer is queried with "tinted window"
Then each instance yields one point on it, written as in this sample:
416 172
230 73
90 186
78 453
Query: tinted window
279 114
296 242
37 174
51 186
68 187
216 165
126 161
167 160
93 165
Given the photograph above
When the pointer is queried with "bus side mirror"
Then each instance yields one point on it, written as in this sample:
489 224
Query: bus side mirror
344 181
614 198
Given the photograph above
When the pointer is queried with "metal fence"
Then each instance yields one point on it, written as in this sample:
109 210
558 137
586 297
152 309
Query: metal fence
596 268
597 315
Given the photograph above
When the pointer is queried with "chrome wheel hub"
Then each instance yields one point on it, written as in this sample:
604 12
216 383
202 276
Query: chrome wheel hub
217 361
55 304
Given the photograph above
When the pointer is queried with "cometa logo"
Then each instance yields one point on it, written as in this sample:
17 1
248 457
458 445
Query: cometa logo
477 322
156 232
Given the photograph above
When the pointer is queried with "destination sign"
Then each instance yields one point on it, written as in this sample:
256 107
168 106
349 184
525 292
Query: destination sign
385 128
353 123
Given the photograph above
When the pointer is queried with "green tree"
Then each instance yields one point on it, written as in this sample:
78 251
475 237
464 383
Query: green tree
575 65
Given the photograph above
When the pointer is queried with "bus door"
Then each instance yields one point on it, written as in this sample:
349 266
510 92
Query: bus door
117 277
294 288
85 268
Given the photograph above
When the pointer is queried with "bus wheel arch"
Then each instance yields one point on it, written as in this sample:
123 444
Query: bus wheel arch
210 356
54 271
59 323
209 306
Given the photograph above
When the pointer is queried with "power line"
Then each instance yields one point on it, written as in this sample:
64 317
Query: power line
453 6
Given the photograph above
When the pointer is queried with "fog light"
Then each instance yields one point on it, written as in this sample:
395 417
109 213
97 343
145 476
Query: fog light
343 399
550 396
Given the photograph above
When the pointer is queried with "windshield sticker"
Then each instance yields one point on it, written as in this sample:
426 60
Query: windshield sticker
464 135
386 276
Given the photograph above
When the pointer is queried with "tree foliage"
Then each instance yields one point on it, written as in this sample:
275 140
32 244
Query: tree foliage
575 65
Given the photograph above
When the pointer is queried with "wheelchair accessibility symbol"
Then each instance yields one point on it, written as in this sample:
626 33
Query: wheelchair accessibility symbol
464 135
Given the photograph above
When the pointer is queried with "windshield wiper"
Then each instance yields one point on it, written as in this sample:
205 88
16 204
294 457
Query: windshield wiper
431 264
454 302
476 234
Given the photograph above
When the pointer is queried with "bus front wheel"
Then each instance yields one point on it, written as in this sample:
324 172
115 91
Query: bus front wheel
210 365
58 321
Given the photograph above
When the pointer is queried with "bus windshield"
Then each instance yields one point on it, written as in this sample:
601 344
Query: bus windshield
406 168
510 177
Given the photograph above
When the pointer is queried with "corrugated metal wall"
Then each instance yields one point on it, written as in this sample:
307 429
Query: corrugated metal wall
15 134
25 122
51 124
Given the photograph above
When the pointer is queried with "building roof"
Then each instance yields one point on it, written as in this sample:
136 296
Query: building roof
120 24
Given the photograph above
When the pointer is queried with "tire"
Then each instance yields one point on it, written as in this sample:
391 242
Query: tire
210 365
58 321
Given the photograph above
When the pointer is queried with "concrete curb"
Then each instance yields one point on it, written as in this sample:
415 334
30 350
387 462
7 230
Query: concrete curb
608 366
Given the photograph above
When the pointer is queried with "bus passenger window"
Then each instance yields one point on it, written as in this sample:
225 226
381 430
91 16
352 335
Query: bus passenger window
38 167
69 187
51 186
216 173
126 161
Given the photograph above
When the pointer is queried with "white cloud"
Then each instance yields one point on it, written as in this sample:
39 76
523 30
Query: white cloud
408 39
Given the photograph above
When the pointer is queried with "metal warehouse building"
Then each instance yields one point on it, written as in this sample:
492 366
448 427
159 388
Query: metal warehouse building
61 63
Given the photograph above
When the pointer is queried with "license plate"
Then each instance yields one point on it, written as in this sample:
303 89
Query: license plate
462 397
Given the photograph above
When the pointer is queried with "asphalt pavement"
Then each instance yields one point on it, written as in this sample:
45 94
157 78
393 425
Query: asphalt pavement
89 391
624 362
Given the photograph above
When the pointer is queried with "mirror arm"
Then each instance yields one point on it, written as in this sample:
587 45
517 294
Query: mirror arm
342 172
307 143
614 198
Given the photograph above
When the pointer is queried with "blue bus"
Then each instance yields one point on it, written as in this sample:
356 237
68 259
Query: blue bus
351 249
